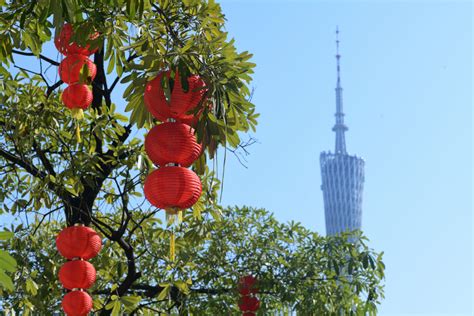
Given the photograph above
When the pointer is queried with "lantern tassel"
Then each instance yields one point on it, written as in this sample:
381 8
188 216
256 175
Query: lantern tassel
77 113
172 246
78 133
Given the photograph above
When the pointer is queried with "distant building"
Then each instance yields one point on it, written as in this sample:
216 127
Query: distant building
342 175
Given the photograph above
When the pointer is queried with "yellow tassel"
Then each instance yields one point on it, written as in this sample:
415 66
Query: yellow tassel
78 133
170 218
172 246
78 114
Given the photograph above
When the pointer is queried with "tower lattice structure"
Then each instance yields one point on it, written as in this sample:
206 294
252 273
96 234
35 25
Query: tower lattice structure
342 174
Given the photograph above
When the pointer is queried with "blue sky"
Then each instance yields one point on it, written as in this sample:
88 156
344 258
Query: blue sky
407 78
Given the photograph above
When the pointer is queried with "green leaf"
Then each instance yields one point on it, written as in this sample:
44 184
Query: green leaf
5 235
182 286
117 308
130 302
7 262
6 281
164 292
111 64
31 286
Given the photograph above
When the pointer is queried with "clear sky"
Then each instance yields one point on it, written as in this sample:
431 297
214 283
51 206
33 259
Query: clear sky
407 78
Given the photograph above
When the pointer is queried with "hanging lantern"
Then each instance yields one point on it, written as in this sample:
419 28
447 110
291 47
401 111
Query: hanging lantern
77 96
172 142
249 304
247 285
172 187
66 47
77 303
71 66
77 274
247 289
78 242
180 102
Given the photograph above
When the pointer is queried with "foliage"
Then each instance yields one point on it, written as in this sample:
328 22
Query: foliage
7 263
296 268
50 179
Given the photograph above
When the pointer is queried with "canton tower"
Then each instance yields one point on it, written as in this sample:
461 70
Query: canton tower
342 174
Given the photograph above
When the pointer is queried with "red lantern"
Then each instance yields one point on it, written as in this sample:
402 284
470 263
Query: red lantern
77 96
247 285
172 187
247 281
71 66
66 47
180 102
77 303
172 142
247 289
77 274
249 303
78 242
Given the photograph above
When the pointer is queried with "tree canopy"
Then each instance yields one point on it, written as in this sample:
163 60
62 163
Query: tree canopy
51 178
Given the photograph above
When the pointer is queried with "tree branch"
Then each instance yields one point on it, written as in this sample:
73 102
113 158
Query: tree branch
49 60
43 158
28 166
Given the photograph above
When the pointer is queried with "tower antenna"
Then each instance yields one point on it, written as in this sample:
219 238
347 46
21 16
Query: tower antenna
339 127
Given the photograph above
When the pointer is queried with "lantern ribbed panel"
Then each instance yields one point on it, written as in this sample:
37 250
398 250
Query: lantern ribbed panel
78 242
183 102
66 47
247 285
71 66
155 100
172 187
249 304
77 274
77 303
172 142
248 280
247 290
77 96
180 102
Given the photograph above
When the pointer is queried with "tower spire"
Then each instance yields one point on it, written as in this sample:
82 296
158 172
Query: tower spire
339 127
338 57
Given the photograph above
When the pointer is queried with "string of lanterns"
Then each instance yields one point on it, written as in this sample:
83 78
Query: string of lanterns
78 95
172 145
77 244
248 303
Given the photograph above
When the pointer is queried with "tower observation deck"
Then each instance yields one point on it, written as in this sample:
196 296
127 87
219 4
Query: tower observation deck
342 174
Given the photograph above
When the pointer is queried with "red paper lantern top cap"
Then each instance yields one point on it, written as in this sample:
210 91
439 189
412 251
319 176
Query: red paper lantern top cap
66 47
180 102
78 242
